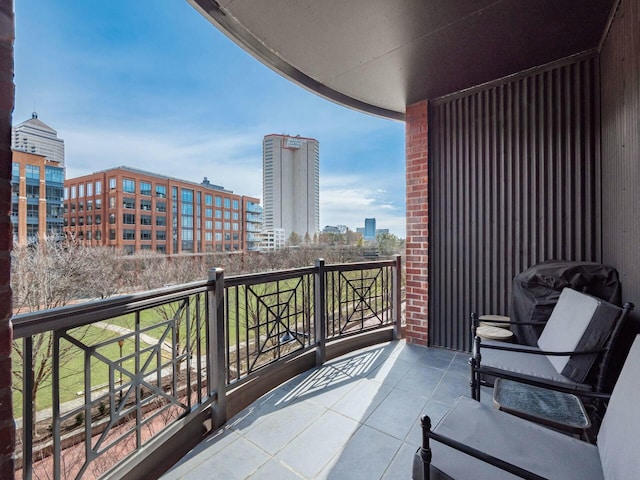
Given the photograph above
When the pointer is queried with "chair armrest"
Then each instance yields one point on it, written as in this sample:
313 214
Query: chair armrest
541 352
425 452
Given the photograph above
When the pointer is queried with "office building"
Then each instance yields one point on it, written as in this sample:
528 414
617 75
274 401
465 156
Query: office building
35 136
291 185
36 197
136 210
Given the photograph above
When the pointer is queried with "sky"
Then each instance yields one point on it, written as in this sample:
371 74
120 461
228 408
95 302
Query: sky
151 84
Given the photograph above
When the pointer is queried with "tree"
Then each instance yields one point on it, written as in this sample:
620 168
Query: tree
389 244
294 239
51 274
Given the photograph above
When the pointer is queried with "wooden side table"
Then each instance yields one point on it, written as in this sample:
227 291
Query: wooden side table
562 411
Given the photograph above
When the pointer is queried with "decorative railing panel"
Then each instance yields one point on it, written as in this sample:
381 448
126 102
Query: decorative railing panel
98 383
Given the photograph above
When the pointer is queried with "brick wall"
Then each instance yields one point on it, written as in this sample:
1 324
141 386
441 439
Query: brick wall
417 261
7 428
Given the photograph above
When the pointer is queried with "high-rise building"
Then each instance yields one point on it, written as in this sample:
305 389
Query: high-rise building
136 210
369 228
36 197
35 136
291 185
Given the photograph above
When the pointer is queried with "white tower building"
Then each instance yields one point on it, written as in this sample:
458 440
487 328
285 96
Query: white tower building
291 184
35 136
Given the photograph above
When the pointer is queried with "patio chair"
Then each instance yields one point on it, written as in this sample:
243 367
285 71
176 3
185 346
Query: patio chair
580 330
476 441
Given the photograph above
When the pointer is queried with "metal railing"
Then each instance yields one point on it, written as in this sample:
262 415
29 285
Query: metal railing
102 381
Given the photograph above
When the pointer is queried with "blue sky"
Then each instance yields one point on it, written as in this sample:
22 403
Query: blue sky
152 85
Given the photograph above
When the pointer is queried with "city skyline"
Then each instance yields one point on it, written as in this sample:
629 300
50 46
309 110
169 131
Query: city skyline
159 89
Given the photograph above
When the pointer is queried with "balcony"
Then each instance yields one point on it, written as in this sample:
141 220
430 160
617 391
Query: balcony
125 387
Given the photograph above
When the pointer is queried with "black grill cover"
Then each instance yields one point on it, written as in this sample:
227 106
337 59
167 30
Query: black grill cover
536 291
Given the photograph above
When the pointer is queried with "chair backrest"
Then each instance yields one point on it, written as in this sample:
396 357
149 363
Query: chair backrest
619 435
578 322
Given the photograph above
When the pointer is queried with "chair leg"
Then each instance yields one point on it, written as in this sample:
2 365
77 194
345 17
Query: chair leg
425 449
474 362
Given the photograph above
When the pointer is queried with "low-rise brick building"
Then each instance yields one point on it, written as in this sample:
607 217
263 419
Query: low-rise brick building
136 210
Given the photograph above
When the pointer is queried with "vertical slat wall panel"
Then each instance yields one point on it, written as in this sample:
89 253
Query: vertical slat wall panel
620 100
514 182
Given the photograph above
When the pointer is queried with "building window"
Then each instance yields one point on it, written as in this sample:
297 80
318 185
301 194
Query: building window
161 221
235 226
98 204
161 248
112 219
187 195
98 235
33 191
81 190
187 222
208 212
128 185
32 211
161 235
235 205
208 199
89 205
32 171
227 225
145 205
187 209
81 206
145 234
218 213
66 193
128 234
145 189
112 234
98 219
89 189
89 220
227 214
161 207
73 191
145 219
73 207
89 234
218 237
15 169
129 249
227 203
98 189
218 201
161 191
81 221
218 225
112 202
73 221
112 183
128 202
235 216
208 224
129 218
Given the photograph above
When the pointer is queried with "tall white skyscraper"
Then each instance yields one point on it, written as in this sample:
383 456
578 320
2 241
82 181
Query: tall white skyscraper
291 184
35 136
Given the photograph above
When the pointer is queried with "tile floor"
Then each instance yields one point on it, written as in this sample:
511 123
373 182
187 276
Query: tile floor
356 417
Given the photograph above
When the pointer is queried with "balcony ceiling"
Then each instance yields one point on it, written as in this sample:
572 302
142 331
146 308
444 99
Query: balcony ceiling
380 55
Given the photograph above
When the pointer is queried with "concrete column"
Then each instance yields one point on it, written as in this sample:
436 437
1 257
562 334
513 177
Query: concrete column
417 243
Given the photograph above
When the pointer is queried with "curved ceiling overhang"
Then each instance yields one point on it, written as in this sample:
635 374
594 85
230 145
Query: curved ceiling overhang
379 56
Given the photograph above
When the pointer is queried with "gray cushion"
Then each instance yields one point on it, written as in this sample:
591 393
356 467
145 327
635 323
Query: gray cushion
530 446
578 322
537 366
618 437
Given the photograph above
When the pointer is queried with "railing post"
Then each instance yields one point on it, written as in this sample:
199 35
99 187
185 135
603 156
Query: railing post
216 361
396 307
319 312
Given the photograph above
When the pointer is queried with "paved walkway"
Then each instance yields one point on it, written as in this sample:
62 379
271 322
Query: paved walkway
356 417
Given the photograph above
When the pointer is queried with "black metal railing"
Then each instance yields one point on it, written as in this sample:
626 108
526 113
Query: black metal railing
98 382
